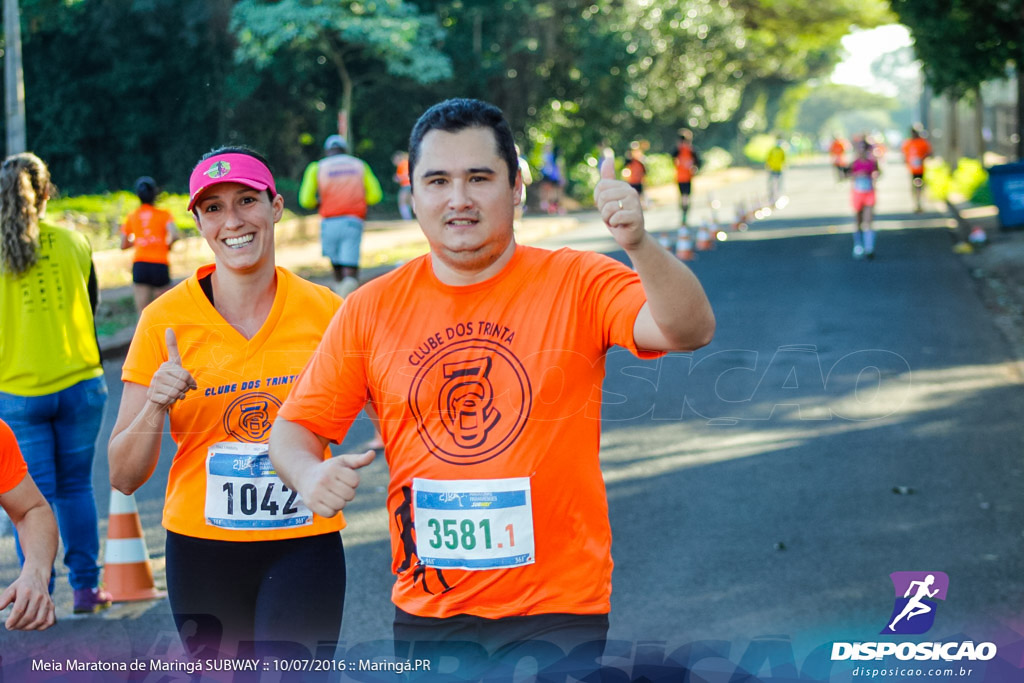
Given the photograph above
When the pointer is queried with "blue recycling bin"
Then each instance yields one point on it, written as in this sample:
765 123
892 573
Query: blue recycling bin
1006 182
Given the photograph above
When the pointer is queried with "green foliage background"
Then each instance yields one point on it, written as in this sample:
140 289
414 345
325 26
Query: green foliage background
116 89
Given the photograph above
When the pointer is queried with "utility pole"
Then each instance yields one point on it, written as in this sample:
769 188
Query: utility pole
14 82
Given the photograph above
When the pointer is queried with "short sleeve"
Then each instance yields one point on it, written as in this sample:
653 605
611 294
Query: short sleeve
12 465
147 351
612 297
332 388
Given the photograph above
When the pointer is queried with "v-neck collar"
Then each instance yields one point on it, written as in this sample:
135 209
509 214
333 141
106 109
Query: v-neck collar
214 318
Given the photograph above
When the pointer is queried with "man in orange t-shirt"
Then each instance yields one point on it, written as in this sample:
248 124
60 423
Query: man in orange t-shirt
33 608
915 150
483 360
152 232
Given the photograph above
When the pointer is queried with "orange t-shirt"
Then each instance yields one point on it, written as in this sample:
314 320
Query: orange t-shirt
149 227
838 152
242 382
634 172
402 173
499 380
686 162
12 465
915 150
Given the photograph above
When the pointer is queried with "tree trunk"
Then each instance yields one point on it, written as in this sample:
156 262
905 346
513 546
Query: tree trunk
345 113
952 152
14 83
1020 109
979 125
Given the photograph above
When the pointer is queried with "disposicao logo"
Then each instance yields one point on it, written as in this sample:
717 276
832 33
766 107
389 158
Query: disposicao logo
916 592
913 613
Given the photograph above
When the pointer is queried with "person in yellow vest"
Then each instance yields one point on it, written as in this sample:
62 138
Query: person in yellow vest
52 390
340 187
775 162
151 231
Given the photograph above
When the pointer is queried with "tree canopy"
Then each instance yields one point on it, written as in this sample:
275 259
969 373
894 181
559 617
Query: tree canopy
120 88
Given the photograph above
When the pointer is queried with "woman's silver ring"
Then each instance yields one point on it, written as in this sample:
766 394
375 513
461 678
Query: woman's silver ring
620 204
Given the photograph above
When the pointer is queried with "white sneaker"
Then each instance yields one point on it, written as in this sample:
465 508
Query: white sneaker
346 286
858 251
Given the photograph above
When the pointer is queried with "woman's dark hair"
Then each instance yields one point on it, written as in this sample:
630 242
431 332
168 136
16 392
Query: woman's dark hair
24 189
145 189
458 114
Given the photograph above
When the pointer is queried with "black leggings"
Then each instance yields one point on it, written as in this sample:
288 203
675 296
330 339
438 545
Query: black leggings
491 649
225 592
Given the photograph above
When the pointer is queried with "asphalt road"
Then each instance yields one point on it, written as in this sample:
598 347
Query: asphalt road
851 419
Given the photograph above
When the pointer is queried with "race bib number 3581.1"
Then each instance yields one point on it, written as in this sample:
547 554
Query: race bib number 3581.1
244 492
473 524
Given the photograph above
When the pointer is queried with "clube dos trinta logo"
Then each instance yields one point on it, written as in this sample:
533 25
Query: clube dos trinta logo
471 401
915 606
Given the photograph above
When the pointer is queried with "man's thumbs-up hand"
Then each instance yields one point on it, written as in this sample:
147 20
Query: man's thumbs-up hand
619 206
331 485
172 381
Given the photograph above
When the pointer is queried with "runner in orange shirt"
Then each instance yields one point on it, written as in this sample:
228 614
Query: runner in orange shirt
915 150
687 163
482 359
218 354
33 608
401 162
837 153
635 171
151 231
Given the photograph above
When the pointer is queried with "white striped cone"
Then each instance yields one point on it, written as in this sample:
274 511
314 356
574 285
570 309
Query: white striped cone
704 238
127 574
684 246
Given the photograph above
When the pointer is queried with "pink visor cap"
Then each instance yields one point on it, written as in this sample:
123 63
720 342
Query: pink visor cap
229 168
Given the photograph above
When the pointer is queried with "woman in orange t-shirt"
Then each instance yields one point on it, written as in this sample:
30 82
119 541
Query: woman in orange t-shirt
152 232
217 354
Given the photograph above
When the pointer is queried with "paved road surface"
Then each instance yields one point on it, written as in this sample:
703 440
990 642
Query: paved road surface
851 419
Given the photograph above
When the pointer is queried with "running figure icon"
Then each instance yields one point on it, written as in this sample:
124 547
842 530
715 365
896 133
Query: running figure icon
915 606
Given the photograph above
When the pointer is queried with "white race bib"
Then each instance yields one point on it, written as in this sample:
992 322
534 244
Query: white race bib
244 492
473 523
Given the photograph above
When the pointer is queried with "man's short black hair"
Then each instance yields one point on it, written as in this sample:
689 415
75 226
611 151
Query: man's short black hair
458 114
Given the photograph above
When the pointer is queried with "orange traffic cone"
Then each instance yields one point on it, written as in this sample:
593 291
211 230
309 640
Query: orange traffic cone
665 240
741 218
704 242
684 245
127 574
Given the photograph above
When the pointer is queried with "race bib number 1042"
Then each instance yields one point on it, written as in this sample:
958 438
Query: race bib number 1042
244 492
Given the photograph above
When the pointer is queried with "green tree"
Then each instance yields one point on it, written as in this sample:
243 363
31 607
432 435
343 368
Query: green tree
963 43
827 110
335 33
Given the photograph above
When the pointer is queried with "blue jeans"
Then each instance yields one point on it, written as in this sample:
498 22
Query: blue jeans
57 435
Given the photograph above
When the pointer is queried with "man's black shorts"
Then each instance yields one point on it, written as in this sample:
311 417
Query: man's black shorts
684 188
152 274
